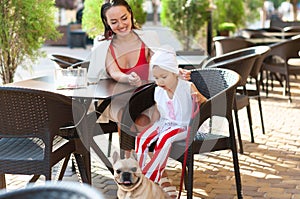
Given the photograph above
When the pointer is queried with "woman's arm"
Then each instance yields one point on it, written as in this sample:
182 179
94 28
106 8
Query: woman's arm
184 74
113 70
155 115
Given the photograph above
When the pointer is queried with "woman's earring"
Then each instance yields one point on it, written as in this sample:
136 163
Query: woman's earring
110 33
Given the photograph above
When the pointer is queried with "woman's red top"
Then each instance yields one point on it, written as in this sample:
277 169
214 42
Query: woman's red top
142 66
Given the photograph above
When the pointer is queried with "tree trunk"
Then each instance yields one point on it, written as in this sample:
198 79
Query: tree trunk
155 13
294 2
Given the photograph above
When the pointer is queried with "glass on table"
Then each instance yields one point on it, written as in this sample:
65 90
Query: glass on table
70 78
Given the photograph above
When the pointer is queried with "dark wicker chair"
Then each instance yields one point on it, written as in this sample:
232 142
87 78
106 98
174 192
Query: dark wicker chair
228 44
292 30
131 113
219 86
273 32
256 69
50 190
65 61
277 62
83 64
30 121
242 62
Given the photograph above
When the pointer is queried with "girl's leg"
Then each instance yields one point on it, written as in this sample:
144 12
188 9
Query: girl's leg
154 169
143 141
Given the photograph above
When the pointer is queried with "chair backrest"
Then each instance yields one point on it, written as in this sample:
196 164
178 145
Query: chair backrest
253 33
241 61
291 29
141 99
262 51
218 86
228 44
34 113
294 30
285 50
50 190
271 29
83 64
65 61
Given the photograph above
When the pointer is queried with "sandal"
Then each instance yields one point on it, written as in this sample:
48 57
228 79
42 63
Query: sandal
165 184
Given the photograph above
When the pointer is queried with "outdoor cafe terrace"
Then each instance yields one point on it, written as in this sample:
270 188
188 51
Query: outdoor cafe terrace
269 167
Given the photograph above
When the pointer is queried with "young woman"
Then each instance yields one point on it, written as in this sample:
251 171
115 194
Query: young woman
123 52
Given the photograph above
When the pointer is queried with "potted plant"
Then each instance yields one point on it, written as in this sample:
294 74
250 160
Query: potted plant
186 18
229 15
25 27
224 29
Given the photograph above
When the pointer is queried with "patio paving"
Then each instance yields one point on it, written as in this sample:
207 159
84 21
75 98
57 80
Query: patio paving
270 167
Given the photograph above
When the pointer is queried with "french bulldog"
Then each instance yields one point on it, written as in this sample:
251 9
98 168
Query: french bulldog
132 184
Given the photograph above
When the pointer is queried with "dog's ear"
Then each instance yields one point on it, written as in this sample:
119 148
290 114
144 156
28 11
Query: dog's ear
133 155
115 157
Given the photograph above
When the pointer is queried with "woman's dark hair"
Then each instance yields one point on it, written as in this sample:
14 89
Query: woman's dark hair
107 30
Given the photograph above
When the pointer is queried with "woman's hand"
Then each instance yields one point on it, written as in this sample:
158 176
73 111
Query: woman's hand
196 95
199 98
134 79
184 74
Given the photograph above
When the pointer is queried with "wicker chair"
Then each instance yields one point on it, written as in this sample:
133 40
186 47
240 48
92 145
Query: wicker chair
50 190
256 69
228 44
292 30
131 113
277 62
219 86
242 62
64 61
30 121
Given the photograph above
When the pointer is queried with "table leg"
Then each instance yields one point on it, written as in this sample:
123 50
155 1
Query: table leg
102 156
83 160
2 181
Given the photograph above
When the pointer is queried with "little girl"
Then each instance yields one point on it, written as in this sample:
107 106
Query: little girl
171 116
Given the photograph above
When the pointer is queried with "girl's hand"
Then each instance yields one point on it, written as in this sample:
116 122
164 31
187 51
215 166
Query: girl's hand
134 79
184 74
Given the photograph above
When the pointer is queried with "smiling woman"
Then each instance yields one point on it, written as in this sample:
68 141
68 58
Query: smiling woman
123 52
126 49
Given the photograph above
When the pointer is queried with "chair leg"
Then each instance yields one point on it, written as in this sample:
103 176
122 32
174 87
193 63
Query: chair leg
261 80
287 83
109 144
238 131
236 163
267 83
250 122
261 115
82 168
260 107
102 156
186 179
190 161
2 181
34 178
63 167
